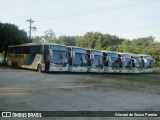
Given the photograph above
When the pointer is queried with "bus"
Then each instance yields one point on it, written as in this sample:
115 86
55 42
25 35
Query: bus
77 59
125 63
110 62
147 63
95 61
137 64
41 57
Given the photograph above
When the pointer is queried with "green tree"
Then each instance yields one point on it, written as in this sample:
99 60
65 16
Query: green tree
10 34
38 39
67 40
49 36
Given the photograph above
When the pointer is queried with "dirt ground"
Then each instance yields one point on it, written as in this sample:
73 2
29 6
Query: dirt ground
26 90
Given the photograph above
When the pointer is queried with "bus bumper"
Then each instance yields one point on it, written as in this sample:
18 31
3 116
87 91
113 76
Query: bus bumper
148 70
54 68
136 70
112 70
78 69
124 70
95 70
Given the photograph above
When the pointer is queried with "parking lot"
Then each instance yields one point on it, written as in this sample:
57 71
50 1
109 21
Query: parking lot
27 90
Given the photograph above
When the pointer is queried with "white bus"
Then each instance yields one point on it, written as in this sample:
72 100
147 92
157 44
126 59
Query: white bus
125 63
95 61
111 64
137 64
42 57
147 63
77 59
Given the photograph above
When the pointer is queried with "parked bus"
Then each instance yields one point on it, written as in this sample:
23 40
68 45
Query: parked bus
95 61
42 57
77 59
125 63
110 59
147 63
137 64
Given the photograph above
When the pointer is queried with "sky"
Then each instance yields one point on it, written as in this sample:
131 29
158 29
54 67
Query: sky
128 19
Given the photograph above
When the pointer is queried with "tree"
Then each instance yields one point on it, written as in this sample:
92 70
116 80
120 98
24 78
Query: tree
38 39
10 34
49 36
67 40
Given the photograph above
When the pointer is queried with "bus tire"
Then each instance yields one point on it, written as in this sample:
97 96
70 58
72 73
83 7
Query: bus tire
39 68
13 64
16 65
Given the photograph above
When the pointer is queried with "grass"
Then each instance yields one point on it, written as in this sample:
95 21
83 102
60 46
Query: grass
147 78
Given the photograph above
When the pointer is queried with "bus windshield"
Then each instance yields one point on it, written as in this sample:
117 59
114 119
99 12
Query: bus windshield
80 59
112 62
138 61
148 64
59 57
97 61
127 62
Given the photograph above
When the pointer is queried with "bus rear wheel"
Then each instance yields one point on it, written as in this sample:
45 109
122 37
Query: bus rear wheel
39 68
12 64
16 65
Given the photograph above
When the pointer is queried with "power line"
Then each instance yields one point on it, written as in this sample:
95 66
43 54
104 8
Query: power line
107 8
31 28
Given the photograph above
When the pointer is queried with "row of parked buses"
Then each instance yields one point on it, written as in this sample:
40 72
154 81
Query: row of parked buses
56 57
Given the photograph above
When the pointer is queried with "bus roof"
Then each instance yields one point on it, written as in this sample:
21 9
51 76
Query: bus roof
134 55
109 52
75 47
123 53
143 55
34 44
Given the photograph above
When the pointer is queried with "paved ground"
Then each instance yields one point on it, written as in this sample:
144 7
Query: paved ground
22 90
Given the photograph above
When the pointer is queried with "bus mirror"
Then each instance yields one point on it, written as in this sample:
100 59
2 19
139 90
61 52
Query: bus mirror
154 61
145 60
50 52
109 59
91 56
122 59
105 58
73 54
67 54
134 60
140 60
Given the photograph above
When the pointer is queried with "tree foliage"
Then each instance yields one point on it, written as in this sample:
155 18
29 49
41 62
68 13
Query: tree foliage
11 35
97 40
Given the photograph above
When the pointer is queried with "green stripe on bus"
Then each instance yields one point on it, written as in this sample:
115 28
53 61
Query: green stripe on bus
29 59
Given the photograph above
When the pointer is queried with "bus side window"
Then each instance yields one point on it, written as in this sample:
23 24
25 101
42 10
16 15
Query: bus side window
14 50
32 49
10 50
38 49
26 50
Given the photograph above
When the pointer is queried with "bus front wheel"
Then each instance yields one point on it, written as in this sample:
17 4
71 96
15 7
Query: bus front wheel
39 68
13 64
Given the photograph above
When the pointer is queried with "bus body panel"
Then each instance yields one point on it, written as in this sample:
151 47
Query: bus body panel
77 59
111 64
58 59
137 66
125 64
25 56
95 61
147 63
32 55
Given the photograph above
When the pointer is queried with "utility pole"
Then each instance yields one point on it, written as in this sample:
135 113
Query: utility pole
31 28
